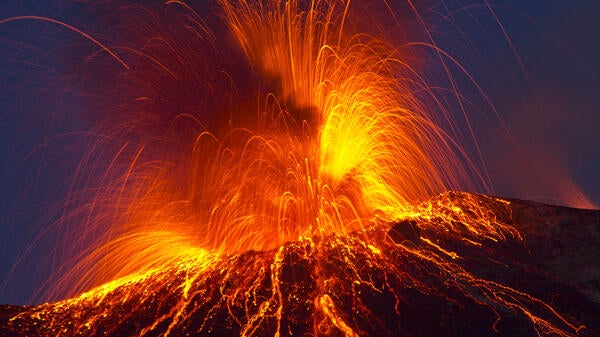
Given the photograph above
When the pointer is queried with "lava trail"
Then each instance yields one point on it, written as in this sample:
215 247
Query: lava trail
430 275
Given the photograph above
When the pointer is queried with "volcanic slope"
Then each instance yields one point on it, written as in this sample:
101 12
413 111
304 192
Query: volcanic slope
463 265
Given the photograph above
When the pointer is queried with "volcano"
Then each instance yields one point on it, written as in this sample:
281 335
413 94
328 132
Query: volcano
274 168
432 274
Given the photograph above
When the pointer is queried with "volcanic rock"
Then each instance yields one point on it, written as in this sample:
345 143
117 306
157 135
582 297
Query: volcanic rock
468 265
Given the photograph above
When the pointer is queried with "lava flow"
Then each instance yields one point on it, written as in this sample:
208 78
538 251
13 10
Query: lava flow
441 272
312 203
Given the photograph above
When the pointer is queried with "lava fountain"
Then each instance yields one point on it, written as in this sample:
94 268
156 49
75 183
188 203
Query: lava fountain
338 142
303 155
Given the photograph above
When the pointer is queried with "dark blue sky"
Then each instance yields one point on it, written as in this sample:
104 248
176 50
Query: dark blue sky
547 97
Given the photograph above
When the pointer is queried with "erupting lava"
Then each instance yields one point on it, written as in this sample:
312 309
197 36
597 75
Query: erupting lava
339 142
303 207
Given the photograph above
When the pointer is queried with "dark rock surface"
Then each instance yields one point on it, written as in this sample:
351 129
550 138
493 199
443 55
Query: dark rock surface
426 276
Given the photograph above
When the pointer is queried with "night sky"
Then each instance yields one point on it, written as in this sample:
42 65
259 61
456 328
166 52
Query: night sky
547 97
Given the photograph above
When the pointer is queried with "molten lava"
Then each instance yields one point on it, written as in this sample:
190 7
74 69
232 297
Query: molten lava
440 277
